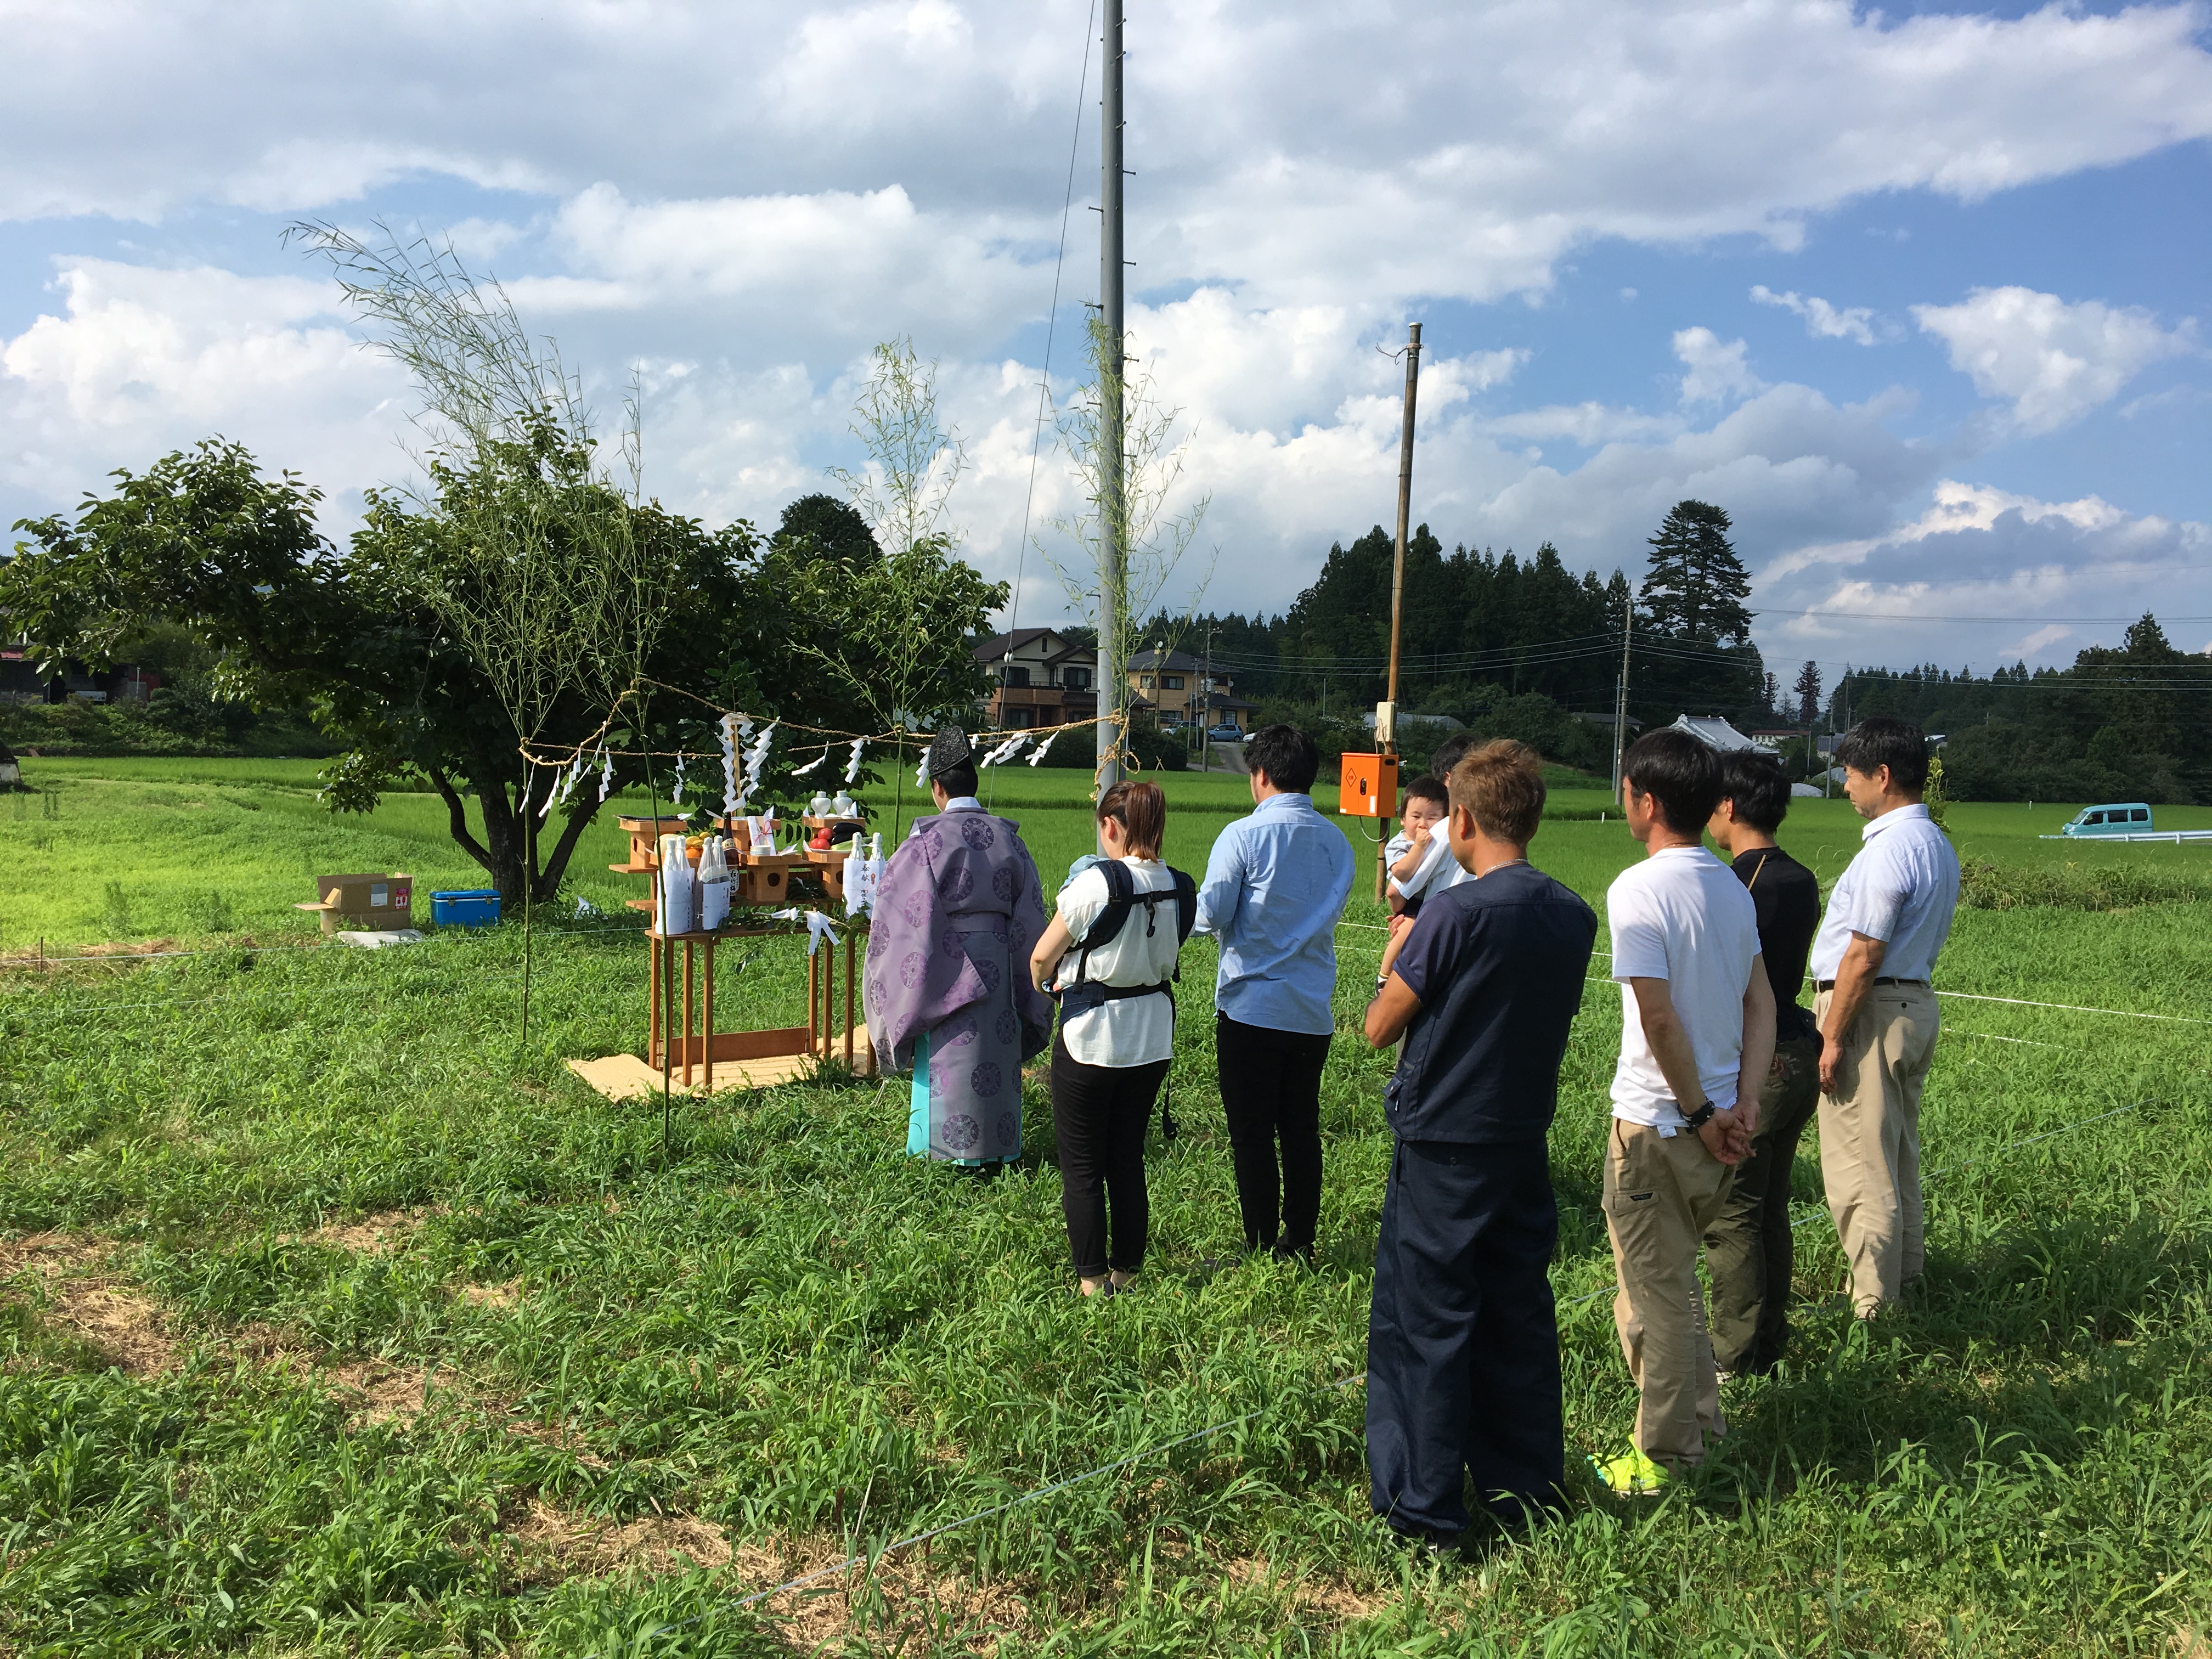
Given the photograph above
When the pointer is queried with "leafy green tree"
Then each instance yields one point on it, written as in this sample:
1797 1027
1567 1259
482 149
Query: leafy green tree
205 541
834 529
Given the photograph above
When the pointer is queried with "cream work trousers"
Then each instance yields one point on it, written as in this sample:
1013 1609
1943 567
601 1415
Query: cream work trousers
1662 1193
1870 1138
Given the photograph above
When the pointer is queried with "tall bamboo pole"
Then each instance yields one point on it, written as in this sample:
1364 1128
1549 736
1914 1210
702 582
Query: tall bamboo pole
1112 515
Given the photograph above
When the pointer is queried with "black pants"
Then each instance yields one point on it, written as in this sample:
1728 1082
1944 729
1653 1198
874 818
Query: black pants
1099 1113
1748 1247
1271 1094
1463 1344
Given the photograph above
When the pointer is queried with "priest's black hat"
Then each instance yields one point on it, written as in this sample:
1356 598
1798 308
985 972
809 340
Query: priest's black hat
949 748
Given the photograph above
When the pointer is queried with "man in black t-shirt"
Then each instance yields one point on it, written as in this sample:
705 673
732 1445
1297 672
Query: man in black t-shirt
1747 1249
1463 1344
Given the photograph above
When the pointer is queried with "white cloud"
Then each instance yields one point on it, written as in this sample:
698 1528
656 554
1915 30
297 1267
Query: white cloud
1823 321
1985 575
1716 369
143 360
1430 158
1586 423
2053 361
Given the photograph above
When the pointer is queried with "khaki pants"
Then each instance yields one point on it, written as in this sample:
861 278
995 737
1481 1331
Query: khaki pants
1870 1138
1662 1193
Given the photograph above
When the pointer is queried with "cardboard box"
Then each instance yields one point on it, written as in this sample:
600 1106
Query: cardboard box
1369 787
364 903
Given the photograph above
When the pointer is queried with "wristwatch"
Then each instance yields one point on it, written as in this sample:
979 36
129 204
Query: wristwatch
1699 1119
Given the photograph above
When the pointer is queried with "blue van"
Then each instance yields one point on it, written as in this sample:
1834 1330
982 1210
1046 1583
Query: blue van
2126 817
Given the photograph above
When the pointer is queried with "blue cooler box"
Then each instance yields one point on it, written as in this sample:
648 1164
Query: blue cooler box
468 907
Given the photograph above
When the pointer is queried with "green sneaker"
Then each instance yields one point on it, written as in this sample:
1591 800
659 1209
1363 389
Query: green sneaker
1632 1476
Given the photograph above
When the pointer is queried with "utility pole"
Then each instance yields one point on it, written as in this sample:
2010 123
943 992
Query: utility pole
1386 723
1113 517
1205 727
1620 694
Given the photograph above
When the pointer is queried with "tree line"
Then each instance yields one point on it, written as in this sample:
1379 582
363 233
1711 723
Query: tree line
1510 645
2130 722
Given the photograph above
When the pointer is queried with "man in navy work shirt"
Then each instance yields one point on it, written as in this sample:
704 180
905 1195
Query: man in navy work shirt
1275 884
1462 1345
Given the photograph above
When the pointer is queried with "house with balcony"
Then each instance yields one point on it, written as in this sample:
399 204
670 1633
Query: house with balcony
1039 676
1185 691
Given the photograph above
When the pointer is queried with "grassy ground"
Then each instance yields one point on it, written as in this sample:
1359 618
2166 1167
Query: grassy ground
337 1322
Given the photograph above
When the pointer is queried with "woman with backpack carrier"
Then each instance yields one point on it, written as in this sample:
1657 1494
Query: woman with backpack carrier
1109 955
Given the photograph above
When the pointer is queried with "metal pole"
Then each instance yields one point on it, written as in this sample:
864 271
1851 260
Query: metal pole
1113 517
1398 578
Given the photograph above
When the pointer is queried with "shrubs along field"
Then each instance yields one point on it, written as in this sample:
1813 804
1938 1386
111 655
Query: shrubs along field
334 1322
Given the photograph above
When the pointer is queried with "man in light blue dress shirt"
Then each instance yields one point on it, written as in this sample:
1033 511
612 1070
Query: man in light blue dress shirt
1872 962
1275 884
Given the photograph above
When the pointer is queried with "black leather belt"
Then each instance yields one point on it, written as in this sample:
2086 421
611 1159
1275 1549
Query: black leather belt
1830 985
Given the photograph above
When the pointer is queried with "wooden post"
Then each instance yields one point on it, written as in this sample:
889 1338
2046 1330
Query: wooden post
653 1017
688 1005
849 930
1398 581
709 1000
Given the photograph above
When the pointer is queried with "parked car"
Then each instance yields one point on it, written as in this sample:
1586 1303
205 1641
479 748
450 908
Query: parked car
1227 732
2126 817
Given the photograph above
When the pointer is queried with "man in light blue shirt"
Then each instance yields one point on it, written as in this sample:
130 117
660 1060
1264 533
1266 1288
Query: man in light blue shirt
1872 962
1275 884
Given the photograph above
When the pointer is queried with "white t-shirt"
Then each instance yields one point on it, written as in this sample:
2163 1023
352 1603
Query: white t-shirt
1900 889
1131 1031
1683 916
1437 871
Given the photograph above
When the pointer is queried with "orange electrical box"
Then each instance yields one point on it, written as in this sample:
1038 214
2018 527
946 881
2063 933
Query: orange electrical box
1370 786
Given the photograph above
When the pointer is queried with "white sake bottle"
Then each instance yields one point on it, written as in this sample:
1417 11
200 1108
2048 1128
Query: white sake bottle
713 885
679 907
856 876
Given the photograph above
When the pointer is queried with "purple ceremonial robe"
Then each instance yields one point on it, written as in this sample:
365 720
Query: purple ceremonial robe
948 973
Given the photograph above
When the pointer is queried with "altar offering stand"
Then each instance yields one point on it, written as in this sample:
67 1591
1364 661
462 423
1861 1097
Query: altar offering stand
687 1060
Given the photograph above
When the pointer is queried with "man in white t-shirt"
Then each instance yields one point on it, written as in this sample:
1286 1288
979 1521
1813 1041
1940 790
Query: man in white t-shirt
1872 962
1697 1035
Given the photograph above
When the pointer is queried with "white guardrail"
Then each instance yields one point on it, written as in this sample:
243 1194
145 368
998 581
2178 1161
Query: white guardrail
2177 836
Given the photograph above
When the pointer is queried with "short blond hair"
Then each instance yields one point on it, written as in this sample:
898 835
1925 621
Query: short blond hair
1502 784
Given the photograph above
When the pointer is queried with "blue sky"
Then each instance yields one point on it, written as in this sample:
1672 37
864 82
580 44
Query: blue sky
1915 294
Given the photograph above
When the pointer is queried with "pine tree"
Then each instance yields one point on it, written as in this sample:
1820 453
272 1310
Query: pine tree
1809 694
1698 586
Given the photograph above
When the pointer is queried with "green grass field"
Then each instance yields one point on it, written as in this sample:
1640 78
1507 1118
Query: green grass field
336 1321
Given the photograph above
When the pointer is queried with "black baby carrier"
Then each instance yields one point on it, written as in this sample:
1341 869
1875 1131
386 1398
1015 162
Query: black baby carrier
1121 899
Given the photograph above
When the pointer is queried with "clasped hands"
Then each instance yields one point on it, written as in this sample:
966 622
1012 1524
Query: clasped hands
1727 1135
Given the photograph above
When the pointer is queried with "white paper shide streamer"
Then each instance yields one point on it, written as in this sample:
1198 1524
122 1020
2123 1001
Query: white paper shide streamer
818 926
735 729
1005 751
853 766
1042 748
756 758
